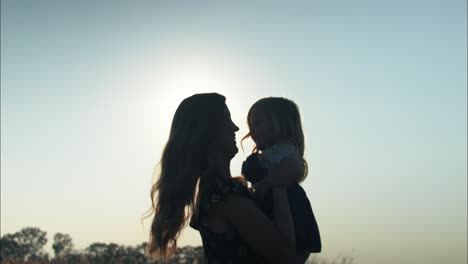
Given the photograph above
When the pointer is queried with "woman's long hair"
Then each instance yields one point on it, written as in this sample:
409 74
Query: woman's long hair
284 119
185 158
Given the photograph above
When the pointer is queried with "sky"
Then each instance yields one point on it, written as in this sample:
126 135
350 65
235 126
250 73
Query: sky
89 88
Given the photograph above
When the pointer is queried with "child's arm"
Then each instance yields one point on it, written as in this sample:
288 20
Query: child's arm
289 170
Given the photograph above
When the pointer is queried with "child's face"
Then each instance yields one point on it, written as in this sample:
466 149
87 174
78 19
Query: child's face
260 130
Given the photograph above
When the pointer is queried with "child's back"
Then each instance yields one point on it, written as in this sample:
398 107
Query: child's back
305 225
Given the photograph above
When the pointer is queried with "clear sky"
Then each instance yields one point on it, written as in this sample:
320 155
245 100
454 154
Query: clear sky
88 90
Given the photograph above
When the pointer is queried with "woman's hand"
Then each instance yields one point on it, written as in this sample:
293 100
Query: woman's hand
263 186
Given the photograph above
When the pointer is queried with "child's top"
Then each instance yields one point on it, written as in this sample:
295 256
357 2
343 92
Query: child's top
272 156
256 167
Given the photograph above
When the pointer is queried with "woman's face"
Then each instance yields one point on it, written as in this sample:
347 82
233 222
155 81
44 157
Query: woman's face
260 130
227 135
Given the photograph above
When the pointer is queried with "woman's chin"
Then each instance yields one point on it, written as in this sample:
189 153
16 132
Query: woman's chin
232 152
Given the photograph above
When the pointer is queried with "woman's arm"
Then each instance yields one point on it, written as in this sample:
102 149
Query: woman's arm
283 221
269 239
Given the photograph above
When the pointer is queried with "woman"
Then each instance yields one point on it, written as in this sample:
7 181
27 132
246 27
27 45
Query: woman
195 182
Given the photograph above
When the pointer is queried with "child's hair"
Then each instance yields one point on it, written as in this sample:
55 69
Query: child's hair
285 121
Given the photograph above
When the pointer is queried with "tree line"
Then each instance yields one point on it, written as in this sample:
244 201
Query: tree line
27 246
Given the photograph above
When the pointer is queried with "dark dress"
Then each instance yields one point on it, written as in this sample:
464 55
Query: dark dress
225 247
305 225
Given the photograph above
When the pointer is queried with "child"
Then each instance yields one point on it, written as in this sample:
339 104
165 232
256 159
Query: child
277 159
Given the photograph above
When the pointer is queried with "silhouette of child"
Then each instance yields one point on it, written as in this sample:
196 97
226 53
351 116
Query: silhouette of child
275 127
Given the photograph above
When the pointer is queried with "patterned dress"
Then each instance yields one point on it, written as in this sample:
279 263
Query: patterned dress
224 247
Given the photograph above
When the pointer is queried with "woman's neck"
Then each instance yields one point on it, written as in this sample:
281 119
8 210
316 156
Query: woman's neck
220 169
221 172
225 169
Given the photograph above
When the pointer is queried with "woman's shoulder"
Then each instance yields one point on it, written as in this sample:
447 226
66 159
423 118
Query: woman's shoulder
215 195
221 190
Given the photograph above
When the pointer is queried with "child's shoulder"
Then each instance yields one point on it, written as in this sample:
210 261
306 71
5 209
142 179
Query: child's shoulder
277 152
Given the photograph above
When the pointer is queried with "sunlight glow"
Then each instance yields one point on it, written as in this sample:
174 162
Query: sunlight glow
180 77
